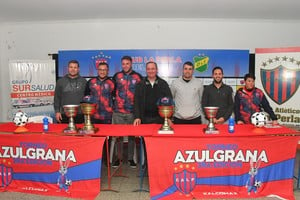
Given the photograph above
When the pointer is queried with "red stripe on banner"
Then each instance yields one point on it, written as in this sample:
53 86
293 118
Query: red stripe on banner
284 88
268 85
31 94
277 50
276 76
293 83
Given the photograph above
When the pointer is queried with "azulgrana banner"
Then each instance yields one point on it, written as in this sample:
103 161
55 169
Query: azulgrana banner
32 85
278 74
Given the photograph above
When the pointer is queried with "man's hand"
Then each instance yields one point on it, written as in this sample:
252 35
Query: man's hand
58 117
137 122
240 122
221 120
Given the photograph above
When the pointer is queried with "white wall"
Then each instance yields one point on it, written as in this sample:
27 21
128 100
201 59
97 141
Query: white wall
36 40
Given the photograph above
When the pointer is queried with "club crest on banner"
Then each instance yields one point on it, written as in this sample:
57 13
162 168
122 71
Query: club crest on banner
185 181
100 58
6 175
280 83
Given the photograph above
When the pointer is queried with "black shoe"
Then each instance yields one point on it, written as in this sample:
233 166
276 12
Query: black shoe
116 164
132 164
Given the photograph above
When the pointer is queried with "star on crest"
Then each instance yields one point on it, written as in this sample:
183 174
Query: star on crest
270 60
284 58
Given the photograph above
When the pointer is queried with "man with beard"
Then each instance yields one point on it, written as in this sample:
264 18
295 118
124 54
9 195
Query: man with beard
126 81
69 90
249 100
187 92
101 91
219 95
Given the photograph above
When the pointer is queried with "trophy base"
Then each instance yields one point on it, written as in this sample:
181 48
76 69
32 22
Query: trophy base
88 131
165 132
211 131
70 131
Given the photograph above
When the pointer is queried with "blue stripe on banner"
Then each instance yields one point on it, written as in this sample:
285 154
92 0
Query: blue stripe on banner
87 171
272 84
263 77
167 192
276 172
280 71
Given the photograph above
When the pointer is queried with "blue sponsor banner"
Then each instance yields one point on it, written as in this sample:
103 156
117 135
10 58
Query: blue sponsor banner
234 62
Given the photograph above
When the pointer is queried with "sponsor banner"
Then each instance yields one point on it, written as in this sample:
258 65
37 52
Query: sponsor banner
234 62
221 167
51 165
278 74
32 85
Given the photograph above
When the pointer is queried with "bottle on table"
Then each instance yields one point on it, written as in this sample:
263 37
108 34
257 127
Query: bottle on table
45 124
231 124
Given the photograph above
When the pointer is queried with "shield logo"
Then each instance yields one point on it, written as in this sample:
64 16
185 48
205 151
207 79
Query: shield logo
185 181
6 174
280 83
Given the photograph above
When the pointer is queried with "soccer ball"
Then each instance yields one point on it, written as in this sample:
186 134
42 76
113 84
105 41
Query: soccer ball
20 118
259 119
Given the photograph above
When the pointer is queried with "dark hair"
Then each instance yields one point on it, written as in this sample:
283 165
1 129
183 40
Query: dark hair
126 58
151 62
217 67
249 76
103 63
73 61
188 63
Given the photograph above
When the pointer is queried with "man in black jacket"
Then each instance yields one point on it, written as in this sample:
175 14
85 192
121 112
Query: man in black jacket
147 93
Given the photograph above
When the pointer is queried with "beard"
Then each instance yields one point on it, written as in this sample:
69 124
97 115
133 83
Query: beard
217 82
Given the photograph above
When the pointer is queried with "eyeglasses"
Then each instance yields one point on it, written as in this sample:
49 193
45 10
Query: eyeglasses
102 70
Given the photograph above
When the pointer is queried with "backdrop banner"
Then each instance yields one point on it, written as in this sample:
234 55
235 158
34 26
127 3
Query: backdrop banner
278 75
32 85
51 165
234 62
221 167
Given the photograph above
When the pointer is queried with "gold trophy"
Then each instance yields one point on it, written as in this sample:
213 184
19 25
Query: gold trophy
166 112
88 109
71 111
211 113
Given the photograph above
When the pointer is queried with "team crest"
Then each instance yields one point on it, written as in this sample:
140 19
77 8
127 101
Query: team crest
280 83
6 174
185 181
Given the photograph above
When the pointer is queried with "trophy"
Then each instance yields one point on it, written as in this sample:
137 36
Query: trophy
88 109
71 111
166 112
211 113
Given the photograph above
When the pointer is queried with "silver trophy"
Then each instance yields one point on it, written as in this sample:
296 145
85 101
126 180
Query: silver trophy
71 111
211 113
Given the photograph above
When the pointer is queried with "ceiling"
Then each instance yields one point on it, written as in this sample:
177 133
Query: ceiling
53 10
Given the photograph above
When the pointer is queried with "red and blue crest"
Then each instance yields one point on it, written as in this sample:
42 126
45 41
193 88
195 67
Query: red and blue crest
185 181
6 174
280 83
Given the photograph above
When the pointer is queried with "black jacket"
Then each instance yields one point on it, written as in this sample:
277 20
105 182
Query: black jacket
140 95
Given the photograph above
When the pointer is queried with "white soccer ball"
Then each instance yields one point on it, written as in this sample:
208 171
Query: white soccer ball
259 119
20 118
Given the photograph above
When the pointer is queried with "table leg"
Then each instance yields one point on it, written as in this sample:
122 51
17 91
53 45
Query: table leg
141 170
109 176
